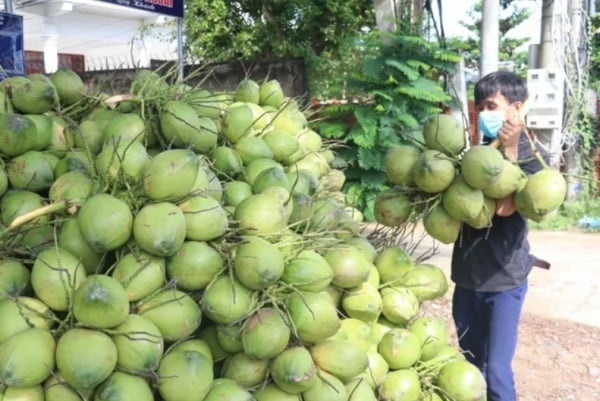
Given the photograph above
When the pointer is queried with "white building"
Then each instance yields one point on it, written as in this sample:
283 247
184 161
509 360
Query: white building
92 35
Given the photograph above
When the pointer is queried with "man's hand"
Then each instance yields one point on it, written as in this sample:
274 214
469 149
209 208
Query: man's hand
509 137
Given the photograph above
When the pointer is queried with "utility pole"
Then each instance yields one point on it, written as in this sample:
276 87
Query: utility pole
385 15
490 36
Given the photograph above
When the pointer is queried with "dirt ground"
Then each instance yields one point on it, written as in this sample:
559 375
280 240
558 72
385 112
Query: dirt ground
558 355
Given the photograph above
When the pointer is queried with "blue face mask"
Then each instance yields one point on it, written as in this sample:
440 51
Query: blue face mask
490 122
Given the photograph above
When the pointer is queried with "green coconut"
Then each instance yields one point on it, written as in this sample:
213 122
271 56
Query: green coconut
270 93
226 301
507 183
392 263
542 194
181 126
85 357
74 160
294 370
14 278
31 171
247 91
308 271
226 161
122 163
43 125
34 97
350 268
261 214
359 390
194 265
265 334
433 172
204 103
392 207
340 358
252 147
271 392
400 348
432 333
235 192
123 129
246 371
27 358
462 381
270 177
105 222
237 122
257 263
18 134
16 203
282 144
445 133
121 386
21 313
171 174
227 389
73 186
71 239
481 166
55 276
484 218
313 315
185 374
230 338
399 163
159 228
461 201
176 314
362 302
140 273
69 86
440 225
139 343
205 218
401 385
400 304
89 136
426 281
101 302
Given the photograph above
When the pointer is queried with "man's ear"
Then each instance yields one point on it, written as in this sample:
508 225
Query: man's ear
523 110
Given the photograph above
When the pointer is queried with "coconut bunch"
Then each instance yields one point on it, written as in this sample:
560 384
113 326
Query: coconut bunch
177 244
446 184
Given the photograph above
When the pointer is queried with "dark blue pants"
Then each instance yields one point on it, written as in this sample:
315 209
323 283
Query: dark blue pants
487 325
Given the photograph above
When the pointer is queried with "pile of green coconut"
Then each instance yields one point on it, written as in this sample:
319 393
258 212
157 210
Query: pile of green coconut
440 181
178 244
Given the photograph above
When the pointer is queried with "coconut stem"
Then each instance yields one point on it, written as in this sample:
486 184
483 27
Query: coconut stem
42 211
113 100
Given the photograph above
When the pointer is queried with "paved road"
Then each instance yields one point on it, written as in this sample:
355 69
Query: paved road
570 290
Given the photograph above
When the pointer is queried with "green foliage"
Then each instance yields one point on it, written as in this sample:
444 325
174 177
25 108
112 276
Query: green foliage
571 215
223 30
397 87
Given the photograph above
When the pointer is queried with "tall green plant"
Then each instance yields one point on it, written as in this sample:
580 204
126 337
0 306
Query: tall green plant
401 79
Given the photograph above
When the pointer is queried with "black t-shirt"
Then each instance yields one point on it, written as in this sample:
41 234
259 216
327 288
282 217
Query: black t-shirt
497 258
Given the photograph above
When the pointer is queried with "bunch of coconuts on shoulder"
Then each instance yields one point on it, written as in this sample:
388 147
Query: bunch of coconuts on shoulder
447 184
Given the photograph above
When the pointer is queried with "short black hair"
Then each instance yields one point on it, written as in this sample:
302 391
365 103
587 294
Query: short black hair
509 84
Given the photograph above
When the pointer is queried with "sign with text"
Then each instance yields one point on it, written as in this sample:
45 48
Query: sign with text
173 8
12 58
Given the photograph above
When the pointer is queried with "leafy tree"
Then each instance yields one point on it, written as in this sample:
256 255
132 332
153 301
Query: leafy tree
223 30
509 47
400 76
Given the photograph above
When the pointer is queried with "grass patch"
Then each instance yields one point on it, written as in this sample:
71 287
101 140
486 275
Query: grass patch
575 215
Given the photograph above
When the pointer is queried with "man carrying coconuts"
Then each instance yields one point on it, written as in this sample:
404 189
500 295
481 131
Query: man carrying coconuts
490 265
